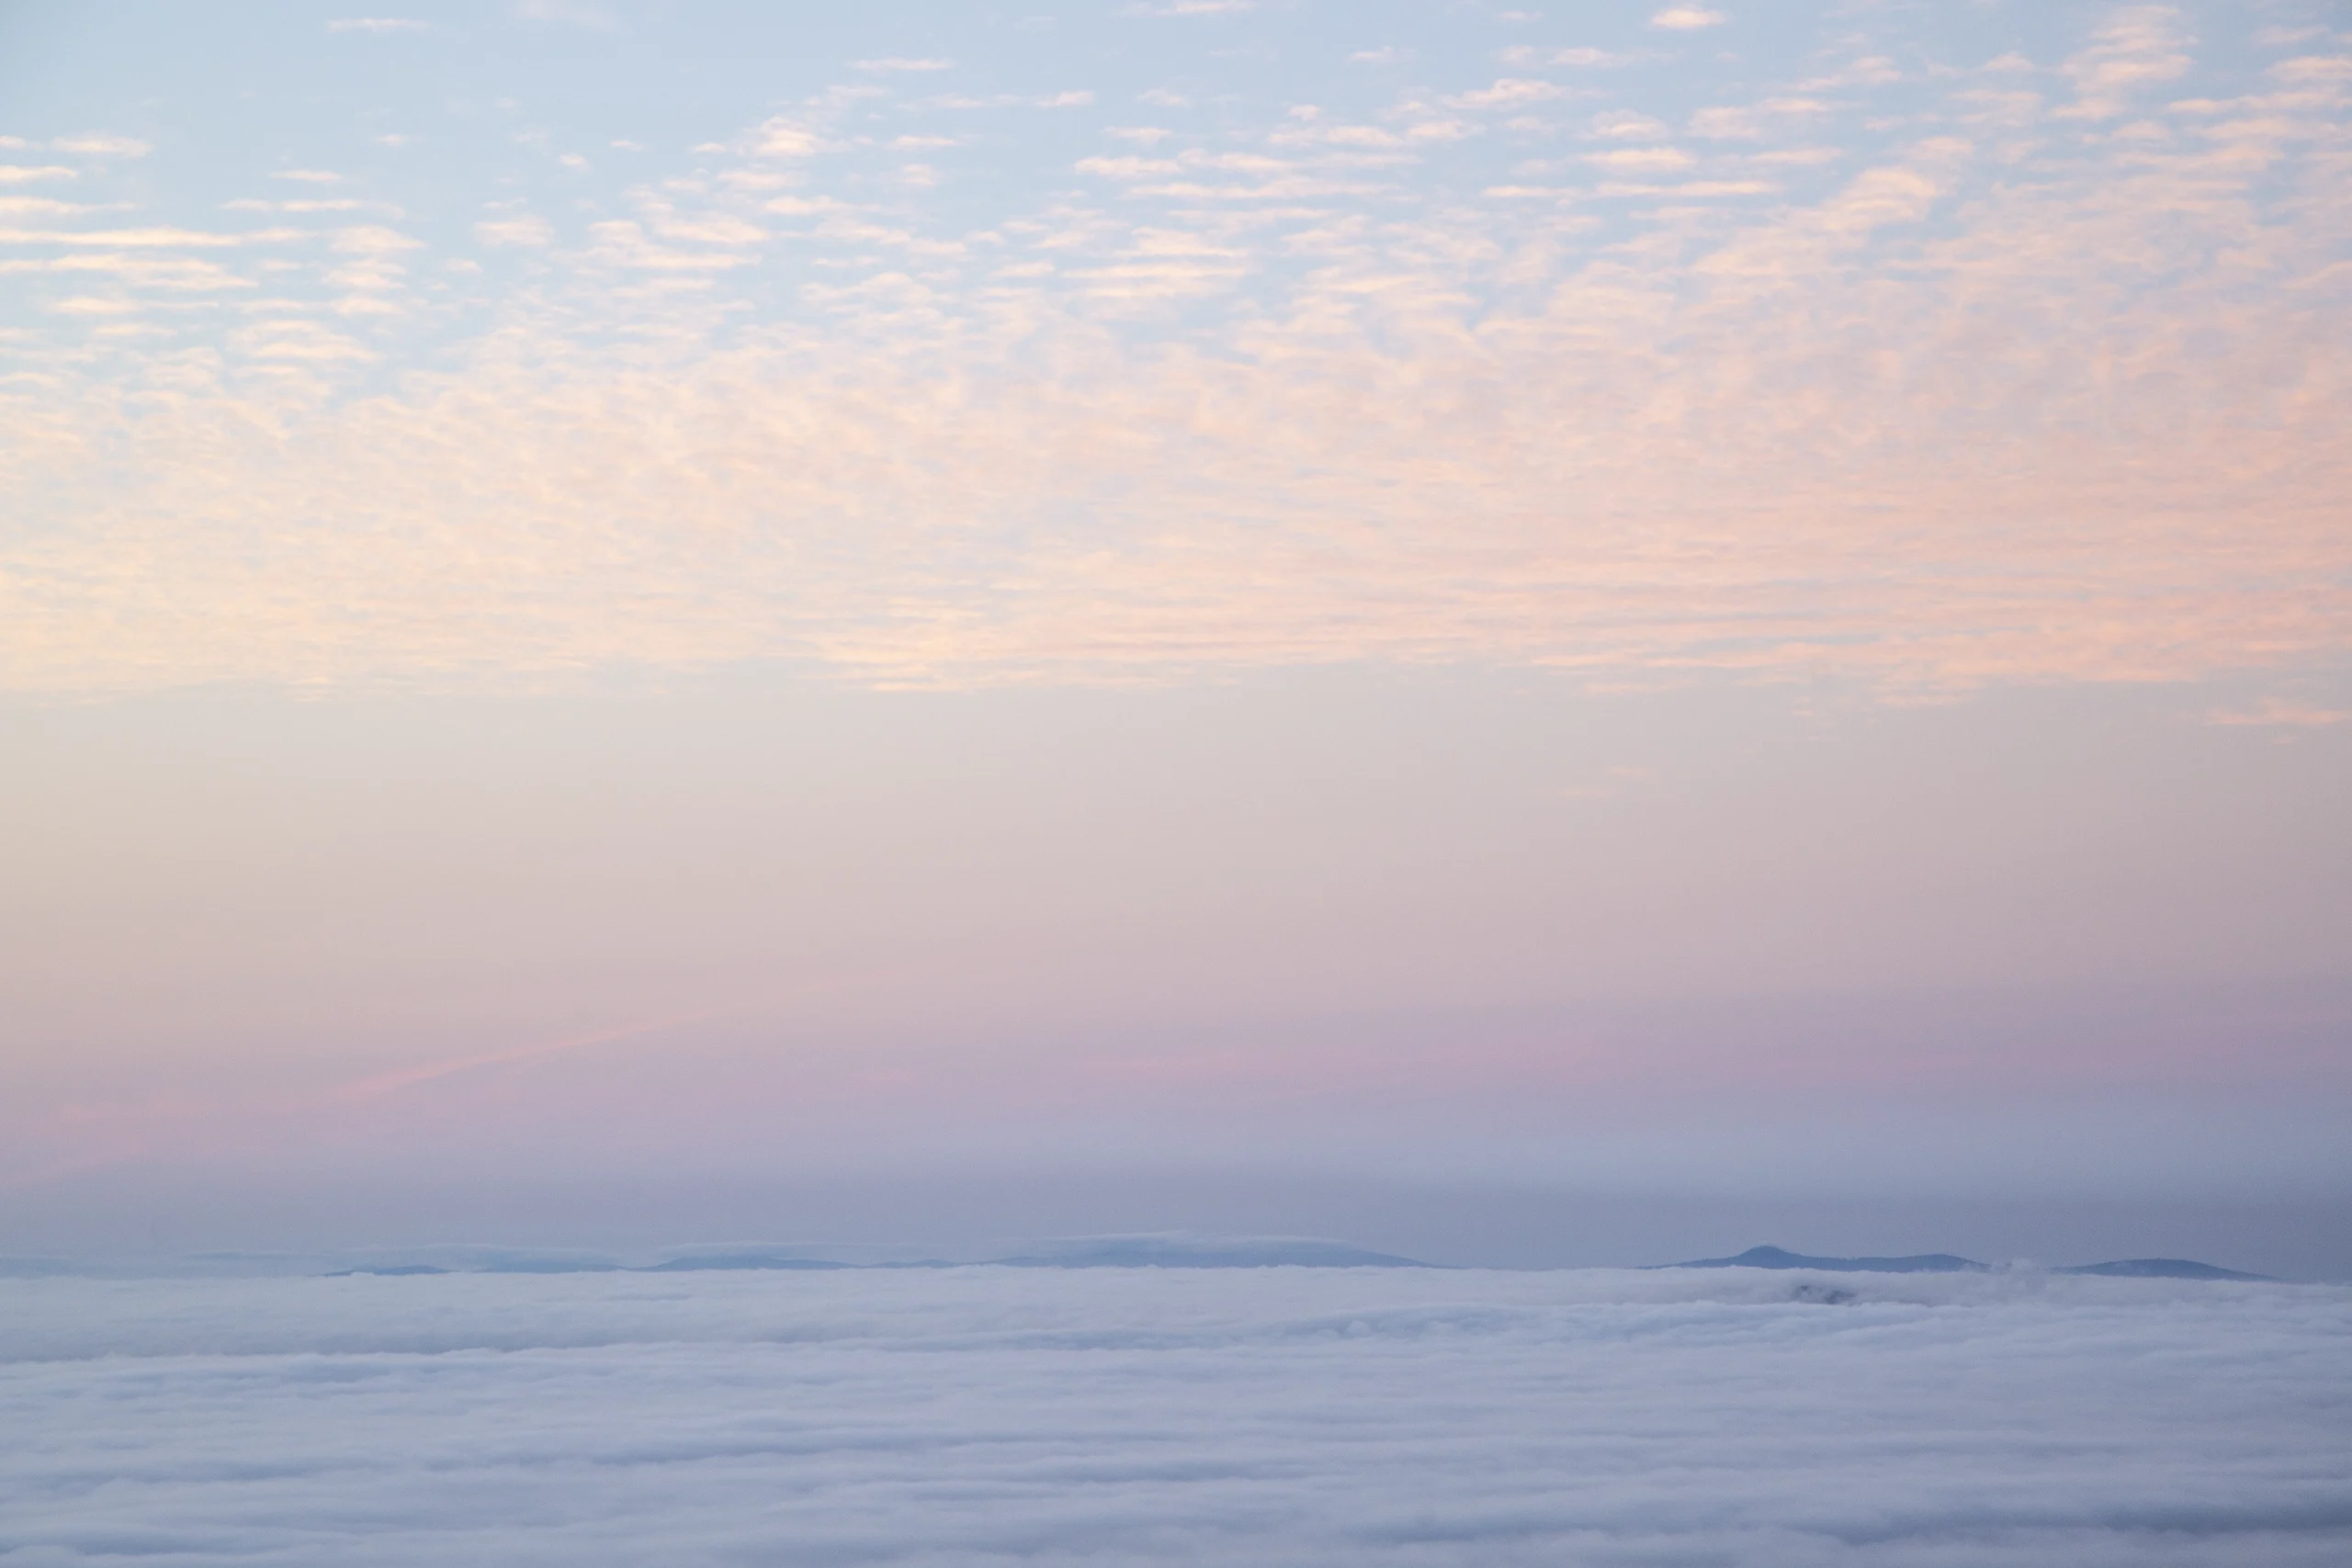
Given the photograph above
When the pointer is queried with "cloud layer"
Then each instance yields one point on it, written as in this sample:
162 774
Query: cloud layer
1925 376
1296 1416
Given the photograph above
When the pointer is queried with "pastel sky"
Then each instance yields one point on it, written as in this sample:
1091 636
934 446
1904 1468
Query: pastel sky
1611 598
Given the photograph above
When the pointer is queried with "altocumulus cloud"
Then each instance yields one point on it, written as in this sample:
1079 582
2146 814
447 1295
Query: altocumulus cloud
1279 1415
1990 373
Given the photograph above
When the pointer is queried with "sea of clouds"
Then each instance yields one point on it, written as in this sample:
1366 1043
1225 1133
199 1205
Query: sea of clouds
1373 1417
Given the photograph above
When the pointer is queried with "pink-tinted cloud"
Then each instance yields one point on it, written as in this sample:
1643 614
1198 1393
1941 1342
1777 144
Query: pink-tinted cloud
2033 396
2283 713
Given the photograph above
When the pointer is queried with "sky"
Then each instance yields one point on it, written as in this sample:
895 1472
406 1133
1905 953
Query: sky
1541 635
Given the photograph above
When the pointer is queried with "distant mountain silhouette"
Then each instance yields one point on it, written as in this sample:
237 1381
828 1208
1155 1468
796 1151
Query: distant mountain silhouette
2158 1268
1168 1249
1164 1249
543 1266
1945 1263
1182 1250
388 1269
1775 1258
740 1260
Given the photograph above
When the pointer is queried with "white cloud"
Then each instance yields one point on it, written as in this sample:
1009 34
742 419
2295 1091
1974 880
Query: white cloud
2140 47
1641 160
717 228
373 240
298 340
185 274
25 174
1128 168
782 138
2281 712
95 305
1686 18
627 245
145 238
1077 98
1525 54
1778 503
378 25
527 231
308 176
1312 1418
1510 92
96 145
1620 123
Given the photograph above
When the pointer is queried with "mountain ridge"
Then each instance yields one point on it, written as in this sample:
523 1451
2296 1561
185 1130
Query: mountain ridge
1949 1263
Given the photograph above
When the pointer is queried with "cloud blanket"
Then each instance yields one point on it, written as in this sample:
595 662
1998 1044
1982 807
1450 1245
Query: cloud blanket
1286 1415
